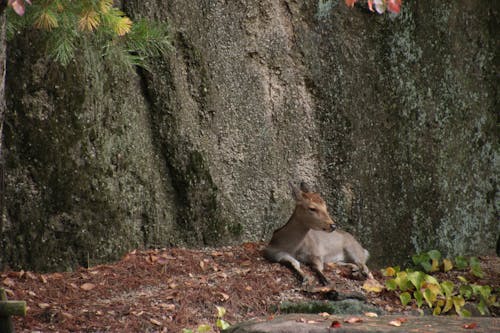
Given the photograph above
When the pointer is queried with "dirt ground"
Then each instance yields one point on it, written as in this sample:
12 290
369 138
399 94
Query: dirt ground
167 290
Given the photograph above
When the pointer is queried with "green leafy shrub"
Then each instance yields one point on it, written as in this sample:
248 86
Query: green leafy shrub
441 297
431 262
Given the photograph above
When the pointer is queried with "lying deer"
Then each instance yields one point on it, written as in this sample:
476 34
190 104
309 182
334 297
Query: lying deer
310 237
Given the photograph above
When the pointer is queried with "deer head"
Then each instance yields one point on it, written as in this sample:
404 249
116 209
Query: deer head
311 210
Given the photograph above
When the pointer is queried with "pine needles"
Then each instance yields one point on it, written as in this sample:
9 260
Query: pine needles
63 25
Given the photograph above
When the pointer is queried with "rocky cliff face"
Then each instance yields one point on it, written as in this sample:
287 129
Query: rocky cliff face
391 118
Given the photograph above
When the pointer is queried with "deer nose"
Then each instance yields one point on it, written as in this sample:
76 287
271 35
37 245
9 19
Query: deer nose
333 227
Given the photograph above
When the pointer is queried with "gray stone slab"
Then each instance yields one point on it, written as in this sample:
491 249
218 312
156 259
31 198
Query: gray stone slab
307 323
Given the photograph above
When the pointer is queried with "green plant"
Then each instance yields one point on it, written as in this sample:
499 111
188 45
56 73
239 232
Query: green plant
220 323
431 262
65 26
443 296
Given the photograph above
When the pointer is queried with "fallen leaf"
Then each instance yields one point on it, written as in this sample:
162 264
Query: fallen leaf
373 286
470 326
402 319
67 315
336 324
155 322
9 292
151 259
324 314
204 328
53 276
224 297
87 286
8 282
246 263
43 305
322 289
84 276
248 288
352 320
167 256
43 278
137 313
371 314
30 275
164 259
396 323
168 306
250 246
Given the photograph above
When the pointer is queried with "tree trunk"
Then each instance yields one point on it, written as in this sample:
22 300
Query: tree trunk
3 47
393 118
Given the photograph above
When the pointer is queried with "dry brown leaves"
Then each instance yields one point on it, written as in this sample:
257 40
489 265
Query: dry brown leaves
166 290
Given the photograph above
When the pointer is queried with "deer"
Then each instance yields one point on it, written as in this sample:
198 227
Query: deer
311 236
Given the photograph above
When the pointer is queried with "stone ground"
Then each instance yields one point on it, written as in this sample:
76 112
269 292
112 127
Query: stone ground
308 323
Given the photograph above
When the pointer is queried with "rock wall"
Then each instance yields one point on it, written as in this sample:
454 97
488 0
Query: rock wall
393 119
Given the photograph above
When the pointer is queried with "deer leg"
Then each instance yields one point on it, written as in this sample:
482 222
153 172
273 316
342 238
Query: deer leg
366 271
358 261
286 259
317 266
294 265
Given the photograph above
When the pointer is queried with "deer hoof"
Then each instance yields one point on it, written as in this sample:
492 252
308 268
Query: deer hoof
307 281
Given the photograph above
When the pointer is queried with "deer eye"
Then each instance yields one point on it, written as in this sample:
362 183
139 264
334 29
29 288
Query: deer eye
313 209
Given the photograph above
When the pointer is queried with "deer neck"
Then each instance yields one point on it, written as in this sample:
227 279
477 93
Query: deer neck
293 232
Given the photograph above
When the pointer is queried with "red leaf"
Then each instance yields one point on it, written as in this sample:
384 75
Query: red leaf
470 326
336 324
394 6
18 6
350 3
370 5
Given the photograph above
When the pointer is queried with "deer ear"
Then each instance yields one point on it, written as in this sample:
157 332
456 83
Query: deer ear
304 187
296 192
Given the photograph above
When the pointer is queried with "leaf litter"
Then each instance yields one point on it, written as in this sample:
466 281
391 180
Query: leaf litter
166 290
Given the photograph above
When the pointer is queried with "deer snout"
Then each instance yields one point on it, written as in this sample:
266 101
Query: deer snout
333 226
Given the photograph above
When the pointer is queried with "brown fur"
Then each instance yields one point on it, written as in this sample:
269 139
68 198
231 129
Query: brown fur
309 237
